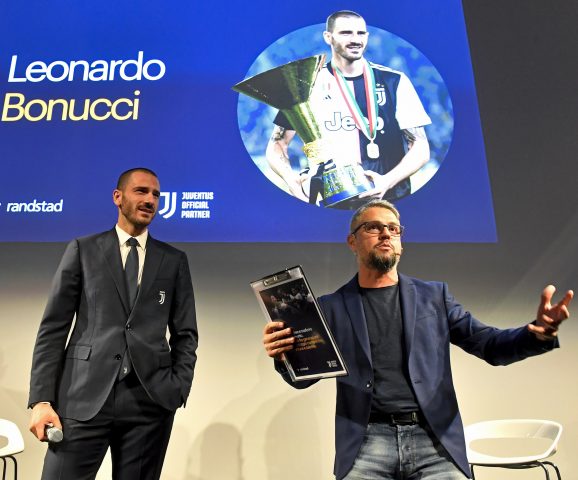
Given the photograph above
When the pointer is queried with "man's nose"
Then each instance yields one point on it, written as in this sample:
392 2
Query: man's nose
385 233
150 199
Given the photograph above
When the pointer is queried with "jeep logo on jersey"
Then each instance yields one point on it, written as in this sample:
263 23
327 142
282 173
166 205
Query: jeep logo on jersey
346 122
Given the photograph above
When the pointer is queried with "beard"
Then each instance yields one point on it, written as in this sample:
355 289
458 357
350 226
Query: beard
131 213
381 263
342 51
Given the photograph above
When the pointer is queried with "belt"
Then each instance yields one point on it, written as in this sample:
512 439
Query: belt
407 418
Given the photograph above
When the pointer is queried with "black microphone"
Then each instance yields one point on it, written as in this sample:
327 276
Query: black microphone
54 434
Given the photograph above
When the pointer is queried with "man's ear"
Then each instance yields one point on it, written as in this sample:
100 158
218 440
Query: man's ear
351 243
327 37
117 197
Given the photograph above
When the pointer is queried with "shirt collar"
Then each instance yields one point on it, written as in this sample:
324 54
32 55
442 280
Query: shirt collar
123 237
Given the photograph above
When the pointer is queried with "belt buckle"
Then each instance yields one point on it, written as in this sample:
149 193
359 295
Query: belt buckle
410 419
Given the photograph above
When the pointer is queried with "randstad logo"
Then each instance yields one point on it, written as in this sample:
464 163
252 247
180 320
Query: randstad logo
35 207
169 201
18 107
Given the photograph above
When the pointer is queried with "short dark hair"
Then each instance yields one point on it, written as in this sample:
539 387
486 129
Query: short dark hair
124 176
330 23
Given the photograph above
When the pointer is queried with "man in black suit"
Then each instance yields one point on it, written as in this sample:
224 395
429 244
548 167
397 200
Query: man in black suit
117 381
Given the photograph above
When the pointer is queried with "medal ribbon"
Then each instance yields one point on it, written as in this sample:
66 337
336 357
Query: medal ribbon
367 126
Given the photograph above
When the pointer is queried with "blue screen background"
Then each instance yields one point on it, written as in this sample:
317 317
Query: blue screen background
188 131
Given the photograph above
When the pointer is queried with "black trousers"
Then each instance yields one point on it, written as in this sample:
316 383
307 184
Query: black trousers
136 429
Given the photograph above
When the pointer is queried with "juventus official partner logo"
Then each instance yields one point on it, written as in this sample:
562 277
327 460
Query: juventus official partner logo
170 204
161 297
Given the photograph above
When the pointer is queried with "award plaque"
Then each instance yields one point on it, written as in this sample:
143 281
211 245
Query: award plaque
286 296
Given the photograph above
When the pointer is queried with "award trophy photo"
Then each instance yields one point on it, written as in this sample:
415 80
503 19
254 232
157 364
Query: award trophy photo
288 88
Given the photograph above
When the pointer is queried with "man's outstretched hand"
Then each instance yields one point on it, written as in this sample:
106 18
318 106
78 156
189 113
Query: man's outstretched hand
550 316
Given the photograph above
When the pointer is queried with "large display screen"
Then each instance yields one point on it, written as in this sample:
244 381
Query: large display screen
89 90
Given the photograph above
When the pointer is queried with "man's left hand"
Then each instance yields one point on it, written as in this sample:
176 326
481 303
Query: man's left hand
382 183
550 316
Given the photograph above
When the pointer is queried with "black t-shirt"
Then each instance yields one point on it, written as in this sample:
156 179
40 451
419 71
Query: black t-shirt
392 392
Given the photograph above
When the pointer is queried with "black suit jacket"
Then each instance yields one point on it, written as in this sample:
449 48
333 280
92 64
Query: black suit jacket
432 319
89 288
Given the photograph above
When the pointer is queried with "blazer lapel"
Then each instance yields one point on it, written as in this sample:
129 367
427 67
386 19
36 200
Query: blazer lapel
110 249
407 295
354 307
153 259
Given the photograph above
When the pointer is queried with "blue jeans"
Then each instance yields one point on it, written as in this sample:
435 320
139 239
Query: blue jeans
402 452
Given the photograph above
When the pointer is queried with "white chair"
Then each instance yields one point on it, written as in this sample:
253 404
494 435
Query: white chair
539 439
15 445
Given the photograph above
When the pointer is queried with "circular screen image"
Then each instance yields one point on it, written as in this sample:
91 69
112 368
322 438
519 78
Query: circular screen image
338 119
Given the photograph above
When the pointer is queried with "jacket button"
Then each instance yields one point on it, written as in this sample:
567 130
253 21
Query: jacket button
369 384
118 356
128 326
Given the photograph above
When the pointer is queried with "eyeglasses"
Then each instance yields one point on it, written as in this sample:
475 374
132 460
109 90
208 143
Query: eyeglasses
376 228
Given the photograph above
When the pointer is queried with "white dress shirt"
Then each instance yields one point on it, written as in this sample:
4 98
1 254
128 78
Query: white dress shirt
125 248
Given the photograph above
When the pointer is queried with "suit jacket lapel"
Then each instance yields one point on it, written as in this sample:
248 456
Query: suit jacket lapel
407 295
110 249
153 259
354 307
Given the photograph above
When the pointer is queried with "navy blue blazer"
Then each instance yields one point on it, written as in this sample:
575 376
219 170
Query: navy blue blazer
77 374
432 319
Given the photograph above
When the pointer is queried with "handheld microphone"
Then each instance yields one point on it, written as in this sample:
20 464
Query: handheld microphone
54 434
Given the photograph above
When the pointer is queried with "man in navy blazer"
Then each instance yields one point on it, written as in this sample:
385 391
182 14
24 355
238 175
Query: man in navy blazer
117 381
396 412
